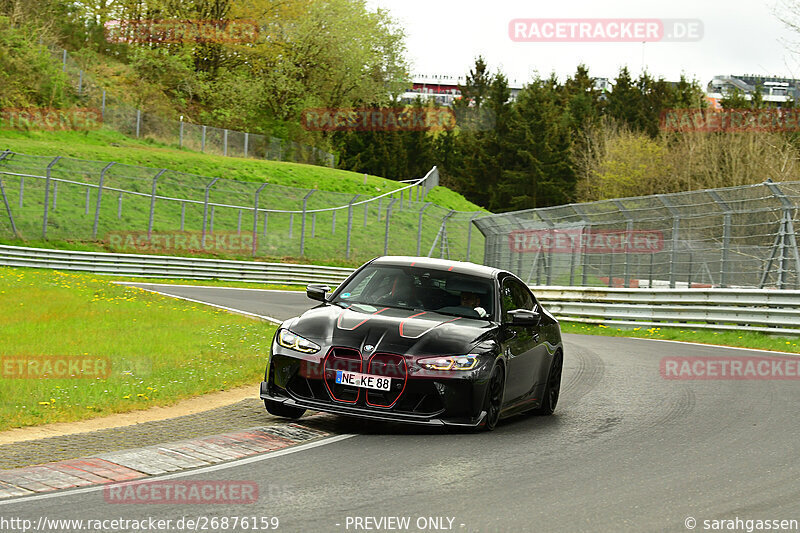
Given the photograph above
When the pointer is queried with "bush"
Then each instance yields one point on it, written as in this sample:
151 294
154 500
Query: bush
28 75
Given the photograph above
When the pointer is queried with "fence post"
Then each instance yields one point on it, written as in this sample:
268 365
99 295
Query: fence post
225 142
333 222
103 107
55 195
211 221
5 200
119 207
444 241
180 135
47 183
153 203
303 223
469 233
266 221
255 217
291 224
203 140
584 271
350 224
246 141
386 232
239 224
8 209
205 206
64 61
726 237
313 225
86 208
629 227
183 215
138 121
787 233
99 199
675 230
419 227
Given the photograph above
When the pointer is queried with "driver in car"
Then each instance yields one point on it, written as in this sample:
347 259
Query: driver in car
470 305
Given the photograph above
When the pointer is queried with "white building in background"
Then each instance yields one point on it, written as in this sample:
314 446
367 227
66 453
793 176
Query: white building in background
773 89
443 88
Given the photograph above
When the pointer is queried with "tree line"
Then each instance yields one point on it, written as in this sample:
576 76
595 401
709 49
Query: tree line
555 142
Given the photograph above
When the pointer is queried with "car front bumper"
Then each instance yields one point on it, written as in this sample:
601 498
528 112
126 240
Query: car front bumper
427 398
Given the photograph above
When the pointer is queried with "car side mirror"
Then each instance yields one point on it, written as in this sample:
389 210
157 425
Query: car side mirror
525 317
317 292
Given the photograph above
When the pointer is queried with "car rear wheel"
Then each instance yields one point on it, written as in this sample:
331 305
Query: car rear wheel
494 397
285 411
552 388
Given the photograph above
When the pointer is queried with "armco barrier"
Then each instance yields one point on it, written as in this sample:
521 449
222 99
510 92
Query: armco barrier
765 310
161 266
771 311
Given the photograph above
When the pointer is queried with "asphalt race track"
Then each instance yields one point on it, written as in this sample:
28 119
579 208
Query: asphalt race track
626 451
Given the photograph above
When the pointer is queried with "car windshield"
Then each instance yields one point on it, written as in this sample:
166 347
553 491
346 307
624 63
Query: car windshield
419 289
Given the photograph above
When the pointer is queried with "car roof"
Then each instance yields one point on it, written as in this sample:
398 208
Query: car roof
462 267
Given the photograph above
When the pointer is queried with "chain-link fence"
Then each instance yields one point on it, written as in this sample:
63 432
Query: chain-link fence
140 209
219 141
728 237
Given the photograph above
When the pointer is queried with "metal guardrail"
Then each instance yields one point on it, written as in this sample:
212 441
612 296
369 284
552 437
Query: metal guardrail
764 310
161 266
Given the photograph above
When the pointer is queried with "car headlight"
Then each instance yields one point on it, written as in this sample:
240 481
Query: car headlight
287 339
454 362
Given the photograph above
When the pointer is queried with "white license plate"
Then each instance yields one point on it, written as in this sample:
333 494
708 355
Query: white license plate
364 381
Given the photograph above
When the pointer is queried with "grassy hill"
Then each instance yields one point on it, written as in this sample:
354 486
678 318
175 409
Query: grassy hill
70 224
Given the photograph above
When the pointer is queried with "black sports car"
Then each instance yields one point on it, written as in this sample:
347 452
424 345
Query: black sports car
418 340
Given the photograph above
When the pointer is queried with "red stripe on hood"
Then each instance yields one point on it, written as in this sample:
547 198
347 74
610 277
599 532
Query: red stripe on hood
339 322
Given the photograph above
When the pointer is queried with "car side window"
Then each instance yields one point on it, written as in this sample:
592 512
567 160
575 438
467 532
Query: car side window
515 295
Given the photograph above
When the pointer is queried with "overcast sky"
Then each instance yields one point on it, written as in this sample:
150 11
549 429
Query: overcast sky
740 37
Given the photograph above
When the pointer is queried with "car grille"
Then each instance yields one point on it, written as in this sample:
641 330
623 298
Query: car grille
391 366
341 359
318 382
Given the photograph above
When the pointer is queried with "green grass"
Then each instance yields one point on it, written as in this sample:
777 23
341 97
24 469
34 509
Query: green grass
741 339
70 223
160 349
107 145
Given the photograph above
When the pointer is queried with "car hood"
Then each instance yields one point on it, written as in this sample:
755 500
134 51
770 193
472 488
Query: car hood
390 330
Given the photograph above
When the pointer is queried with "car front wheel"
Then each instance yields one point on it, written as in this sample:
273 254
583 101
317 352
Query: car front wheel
285 411
494 398
552 388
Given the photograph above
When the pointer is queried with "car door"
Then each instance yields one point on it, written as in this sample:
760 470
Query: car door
522 345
